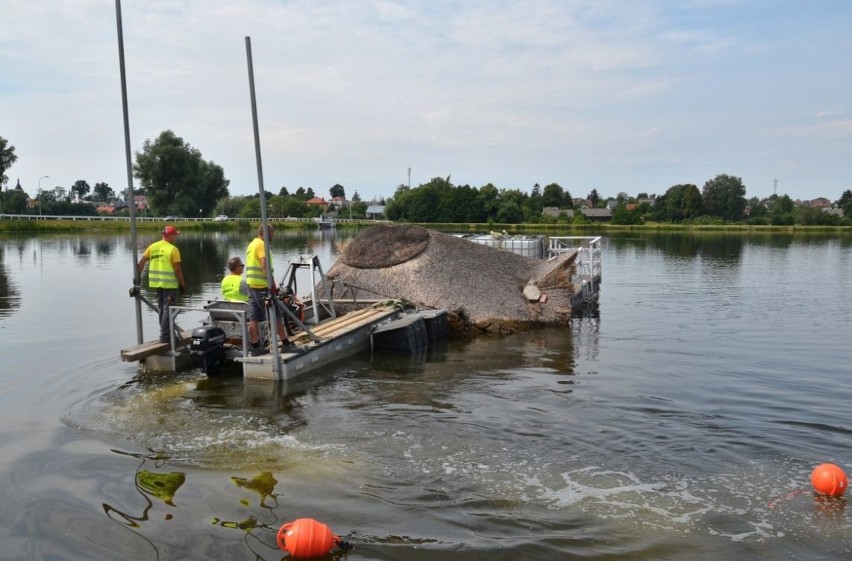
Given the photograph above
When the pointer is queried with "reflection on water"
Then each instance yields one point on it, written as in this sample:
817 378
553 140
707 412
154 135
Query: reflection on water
156 484
151 485
9 295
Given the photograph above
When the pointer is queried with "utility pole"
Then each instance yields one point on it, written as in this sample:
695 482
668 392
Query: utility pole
409 178
775 191
39 192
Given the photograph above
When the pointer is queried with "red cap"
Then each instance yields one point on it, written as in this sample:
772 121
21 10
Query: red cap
170 231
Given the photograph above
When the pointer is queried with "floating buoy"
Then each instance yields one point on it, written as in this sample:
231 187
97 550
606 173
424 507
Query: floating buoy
829 479
305 538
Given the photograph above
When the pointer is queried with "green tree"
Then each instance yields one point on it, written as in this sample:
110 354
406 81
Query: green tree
680 202
533 204
758 214
103 192
176 178
424 201
459 204
594 197
509 211
14 202
232 206
782 211
623 216
61 194
337 190
80 189
489 200
359 209
250 208
553 195
7 158
398 205
295 208
808 216
724 196
536 191
845 203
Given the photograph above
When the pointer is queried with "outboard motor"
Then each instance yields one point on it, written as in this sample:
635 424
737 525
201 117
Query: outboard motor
208 348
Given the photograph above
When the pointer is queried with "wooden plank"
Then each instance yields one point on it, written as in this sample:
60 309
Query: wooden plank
330 328
138 352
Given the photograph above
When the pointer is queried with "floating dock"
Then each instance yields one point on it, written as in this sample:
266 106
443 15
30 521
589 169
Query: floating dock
312 348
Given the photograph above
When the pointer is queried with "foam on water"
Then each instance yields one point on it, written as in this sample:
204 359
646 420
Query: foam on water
165 417
750 503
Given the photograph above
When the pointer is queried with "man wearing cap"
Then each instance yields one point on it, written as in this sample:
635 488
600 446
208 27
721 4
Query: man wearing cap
234 288
164 274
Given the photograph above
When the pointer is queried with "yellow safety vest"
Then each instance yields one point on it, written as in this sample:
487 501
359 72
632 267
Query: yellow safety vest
231 289
161 272
255 277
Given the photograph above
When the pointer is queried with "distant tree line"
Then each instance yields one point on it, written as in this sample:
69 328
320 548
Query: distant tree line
176 180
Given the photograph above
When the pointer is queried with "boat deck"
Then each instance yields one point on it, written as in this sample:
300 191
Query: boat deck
332 340
144 350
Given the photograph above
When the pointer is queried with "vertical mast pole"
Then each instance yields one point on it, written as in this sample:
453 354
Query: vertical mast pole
273 309
131 206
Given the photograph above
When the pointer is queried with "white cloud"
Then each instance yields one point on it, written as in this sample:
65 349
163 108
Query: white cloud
601 92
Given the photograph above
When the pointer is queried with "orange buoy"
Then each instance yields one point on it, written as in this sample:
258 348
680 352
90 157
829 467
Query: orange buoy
305 538
829 479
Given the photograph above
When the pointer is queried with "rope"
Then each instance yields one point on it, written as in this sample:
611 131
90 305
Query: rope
388 298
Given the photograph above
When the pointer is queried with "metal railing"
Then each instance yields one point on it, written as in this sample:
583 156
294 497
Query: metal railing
107 218
589 268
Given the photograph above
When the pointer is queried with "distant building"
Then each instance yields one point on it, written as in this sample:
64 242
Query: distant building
375 212
601 214
318 202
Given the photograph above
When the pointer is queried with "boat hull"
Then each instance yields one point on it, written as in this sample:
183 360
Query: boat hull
341 338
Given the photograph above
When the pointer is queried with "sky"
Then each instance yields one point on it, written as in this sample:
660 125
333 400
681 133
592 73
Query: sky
621 96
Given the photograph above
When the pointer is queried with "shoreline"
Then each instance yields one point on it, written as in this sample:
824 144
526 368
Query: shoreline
84 224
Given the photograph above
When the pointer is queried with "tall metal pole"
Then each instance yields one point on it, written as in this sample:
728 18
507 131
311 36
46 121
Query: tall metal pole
39 192
273 309
130 199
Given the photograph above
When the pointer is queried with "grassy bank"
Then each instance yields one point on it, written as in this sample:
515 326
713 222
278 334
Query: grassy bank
597 228
97 225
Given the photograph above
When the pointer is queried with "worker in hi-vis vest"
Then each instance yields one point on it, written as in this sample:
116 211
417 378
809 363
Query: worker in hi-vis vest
258 261
165 275
234 287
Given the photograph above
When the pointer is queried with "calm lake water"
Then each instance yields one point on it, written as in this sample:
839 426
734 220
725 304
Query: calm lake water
680 421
